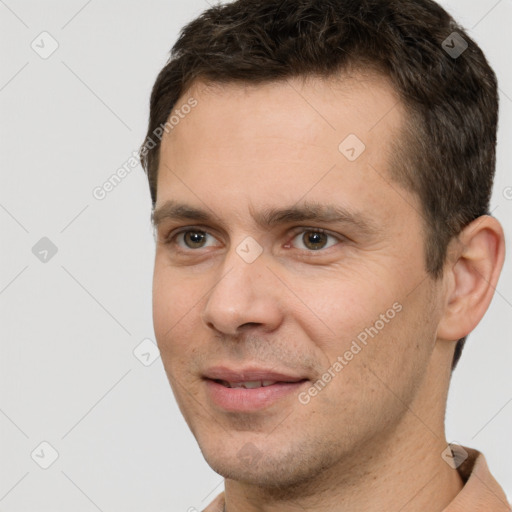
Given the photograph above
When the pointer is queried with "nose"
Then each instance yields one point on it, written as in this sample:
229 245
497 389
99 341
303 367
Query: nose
245 295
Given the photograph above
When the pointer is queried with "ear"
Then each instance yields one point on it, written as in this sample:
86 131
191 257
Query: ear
471 273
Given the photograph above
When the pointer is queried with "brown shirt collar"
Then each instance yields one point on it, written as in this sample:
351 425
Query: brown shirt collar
481 492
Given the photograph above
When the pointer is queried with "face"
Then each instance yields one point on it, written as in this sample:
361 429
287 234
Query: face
288 259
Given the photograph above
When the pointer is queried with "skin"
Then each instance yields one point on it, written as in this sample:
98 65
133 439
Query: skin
372 438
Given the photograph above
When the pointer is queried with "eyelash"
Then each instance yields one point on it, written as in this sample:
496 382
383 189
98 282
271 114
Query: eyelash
171 238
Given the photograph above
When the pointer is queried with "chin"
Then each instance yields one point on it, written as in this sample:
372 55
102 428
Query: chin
266 467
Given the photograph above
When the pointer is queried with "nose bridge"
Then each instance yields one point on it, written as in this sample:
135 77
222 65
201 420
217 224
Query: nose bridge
243 293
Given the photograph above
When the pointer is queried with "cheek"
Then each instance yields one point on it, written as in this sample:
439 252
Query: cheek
175 304
387 350
372 323
340 309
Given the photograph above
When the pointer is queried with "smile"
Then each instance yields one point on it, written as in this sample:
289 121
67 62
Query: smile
251 384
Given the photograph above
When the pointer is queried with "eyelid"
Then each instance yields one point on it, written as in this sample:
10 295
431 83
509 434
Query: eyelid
314 229
173 234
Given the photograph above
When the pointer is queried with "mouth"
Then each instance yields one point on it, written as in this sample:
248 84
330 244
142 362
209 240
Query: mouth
250 389
252 384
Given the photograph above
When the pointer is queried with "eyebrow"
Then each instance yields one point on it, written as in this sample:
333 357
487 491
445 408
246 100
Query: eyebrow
270 217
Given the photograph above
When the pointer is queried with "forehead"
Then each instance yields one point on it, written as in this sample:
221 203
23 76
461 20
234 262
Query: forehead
280 142
298 109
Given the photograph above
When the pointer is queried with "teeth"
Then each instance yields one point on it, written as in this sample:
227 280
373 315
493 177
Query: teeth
252 384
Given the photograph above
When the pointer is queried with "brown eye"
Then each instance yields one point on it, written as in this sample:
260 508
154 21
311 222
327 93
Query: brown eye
190 238
314 240
194 239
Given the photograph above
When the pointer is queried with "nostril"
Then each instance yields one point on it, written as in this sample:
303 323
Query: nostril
250 325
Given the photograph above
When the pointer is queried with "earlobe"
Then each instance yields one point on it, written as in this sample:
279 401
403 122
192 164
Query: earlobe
471 276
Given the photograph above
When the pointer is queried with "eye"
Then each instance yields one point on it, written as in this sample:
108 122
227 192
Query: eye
314 239
309 239
190 239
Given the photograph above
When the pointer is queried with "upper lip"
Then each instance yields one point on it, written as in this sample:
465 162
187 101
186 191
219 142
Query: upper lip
249 374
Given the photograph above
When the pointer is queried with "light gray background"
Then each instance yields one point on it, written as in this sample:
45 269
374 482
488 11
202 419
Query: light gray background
68 375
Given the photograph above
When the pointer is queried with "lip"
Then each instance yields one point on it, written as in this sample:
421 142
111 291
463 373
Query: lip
248 374
249 400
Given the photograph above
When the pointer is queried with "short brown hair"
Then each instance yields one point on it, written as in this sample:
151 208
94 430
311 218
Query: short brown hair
447 152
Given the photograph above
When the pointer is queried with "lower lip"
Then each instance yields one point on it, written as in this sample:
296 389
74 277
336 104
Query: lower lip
245 400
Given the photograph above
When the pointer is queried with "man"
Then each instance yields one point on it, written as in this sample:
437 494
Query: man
320 174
